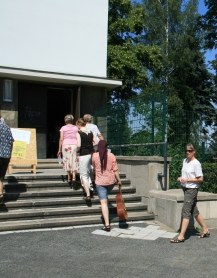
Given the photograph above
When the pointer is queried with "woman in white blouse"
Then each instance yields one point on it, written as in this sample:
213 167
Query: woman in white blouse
190 180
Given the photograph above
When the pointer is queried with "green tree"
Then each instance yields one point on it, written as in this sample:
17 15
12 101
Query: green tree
129 59
118 129
154 47
209 24
185 80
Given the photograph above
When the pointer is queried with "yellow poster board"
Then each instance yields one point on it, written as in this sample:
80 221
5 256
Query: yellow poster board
24 153
19 149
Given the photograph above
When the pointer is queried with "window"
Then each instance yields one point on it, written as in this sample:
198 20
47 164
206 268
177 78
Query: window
8 90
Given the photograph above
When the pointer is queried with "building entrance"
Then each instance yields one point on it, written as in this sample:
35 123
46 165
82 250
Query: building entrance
59 103
44 108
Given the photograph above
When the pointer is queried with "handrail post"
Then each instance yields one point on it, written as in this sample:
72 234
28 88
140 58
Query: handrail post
165 166
164 175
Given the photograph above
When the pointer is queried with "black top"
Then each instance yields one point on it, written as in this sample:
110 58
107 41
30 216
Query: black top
86 143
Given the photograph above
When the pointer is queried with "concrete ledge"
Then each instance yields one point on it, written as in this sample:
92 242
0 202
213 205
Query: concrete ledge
167 206
142 158
143 172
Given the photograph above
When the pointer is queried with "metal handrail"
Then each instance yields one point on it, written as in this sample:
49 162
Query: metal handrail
159 175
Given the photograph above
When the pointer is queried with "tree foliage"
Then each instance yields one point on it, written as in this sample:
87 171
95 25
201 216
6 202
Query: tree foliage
187 84
155 48
209 24
128 58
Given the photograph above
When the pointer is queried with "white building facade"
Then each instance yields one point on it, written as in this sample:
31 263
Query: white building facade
53 57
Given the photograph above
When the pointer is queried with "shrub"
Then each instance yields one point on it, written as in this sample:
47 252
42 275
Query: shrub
175 165
210 177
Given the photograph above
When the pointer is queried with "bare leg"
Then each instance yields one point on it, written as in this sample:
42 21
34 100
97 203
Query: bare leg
69 176
200 220
185 223
105 211
1 188
74 175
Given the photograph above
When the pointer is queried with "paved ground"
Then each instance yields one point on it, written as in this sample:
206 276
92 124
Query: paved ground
139 250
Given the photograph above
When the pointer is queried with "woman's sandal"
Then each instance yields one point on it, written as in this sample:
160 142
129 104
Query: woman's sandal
107 228
176 240
204 235
74 181
87 198
1 198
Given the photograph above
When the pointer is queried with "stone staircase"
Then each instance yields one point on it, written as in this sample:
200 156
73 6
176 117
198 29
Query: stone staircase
45 200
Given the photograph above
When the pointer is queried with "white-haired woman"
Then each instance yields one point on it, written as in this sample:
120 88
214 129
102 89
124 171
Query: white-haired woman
68 143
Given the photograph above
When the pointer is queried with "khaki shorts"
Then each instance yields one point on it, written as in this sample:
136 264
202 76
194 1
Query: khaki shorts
190 203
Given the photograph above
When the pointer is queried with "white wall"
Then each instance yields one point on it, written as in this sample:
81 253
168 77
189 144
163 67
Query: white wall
65 36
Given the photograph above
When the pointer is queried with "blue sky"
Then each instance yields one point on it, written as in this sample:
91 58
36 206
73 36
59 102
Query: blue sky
201 8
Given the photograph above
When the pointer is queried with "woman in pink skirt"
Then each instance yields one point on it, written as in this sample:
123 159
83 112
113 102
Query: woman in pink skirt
69 142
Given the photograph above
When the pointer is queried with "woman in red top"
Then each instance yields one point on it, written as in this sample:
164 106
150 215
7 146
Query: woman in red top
106 176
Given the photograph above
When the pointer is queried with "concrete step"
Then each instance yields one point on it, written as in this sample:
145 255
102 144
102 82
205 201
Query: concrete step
55 193
59 202
23 186
41 213
43 174
69 221
50 163
49 166
45 200
47 161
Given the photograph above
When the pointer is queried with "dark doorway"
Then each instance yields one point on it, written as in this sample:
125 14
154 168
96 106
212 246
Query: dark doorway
59 103
32 106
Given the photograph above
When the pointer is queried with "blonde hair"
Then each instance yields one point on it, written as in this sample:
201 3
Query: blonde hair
69 119
190 146
87 118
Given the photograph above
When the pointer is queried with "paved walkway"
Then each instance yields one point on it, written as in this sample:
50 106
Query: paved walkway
151 232
140 250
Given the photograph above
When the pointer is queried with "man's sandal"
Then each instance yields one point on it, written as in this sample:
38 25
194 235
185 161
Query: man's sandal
204 235
176 240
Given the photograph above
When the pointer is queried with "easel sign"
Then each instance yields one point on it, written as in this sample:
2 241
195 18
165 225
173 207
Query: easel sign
24 153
